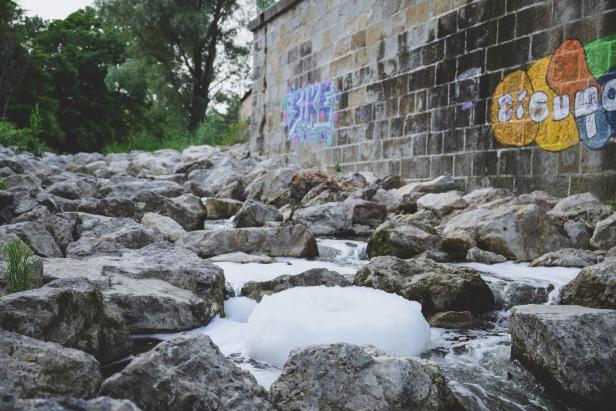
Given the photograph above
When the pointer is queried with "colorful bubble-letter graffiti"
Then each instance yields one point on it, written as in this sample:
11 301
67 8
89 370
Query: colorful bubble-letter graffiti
563 99
310 113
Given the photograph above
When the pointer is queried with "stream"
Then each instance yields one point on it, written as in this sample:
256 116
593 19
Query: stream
475 361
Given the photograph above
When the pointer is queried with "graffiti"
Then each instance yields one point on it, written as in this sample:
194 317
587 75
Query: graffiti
562 100
310 113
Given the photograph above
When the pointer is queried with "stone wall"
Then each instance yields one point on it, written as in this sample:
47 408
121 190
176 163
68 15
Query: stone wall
511 93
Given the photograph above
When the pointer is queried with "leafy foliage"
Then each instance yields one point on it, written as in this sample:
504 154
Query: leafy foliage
4 183
612 203
20 275
186 44
131 74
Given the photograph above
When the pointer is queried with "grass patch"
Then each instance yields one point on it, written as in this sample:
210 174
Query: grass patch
4 183
612 203
19 273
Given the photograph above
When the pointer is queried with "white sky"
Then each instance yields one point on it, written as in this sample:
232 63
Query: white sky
52 9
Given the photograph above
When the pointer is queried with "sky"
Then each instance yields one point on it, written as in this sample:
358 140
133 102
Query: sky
52 9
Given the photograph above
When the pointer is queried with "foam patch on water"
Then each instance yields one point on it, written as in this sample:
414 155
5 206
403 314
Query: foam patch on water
305 316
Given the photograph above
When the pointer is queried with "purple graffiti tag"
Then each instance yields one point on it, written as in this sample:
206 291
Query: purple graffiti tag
310 113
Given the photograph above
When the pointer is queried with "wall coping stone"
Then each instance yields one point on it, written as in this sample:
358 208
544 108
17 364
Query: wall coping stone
271 13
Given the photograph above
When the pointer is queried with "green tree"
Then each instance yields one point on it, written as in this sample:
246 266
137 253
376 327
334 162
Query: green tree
13 56
188 43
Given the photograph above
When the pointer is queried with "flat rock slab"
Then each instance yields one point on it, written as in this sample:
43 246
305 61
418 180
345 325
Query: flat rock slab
285 241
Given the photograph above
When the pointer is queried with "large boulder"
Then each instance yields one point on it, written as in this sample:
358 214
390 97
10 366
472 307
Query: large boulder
604 236
31 368
124 232
187 372
170 229
36 236
271 187
187 210
571 351
440 184
584 207
220 208
304 181
348 377
256 214
403 241
516 231
594 286
442 204
71 404
285 241
70 312
74 188
438 287
324 219
158 288
315 277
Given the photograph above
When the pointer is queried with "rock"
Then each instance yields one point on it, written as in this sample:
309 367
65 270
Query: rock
220 208
92 246
36 236
285 241
304 181
124 232
440 184
31 368
458 244
127 187
570 349
348 377
451 319
69 312
567 257
73 189
72 404
400 241
186 210
365 213
442 203
256 214
518 232
486 195
594 286
188 373
272 187
158 288
170 229
324 219
438 287
233 190
578 233
315 277
515 293
585 207
241 258
478 255
604 236
391 182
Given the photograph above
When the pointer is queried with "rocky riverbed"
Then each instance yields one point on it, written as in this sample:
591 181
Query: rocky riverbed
213 279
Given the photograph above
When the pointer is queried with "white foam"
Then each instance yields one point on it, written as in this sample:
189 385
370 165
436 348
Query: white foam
305 316
523 272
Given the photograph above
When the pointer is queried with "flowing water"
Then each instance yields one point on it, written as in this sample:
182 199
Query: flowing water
476 361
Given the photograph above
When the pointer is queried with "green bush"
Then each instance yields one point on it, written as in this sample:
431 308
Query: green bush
4 183
20 275
612 203
24 139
